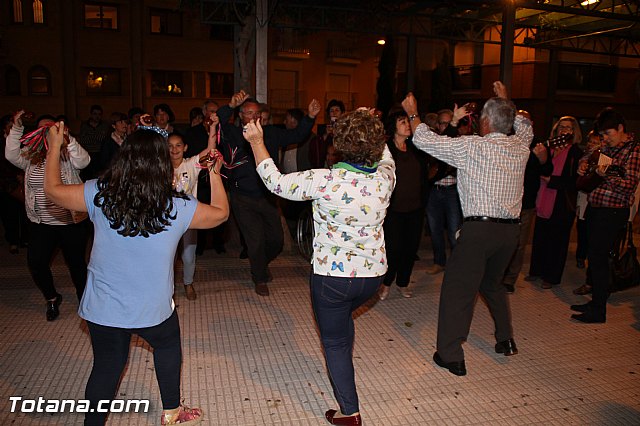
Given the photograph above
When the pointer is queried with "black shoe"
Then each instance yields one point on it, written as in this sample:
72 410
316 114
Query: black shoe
510 288
508 347
220 249
262 289
590 317
458 368
199 251
586 307
244 254
52 308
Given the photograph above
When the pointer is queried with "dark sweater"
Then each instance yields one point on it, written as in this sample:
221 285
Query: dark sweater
244 179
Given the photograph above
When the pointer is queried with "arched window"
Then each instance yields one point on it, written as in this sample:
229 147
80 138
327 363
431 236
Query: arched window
38 14
11 81
16 8
39 81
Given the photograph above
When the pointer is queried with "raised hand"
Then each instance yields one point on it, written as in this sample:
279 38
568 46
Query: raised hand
55 136
500 89
17 118
238 98
314 108
253 132
458 112
410 105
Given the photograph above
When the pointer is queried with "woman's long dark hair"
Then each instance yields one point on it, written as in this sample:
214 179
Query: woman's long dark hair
136 192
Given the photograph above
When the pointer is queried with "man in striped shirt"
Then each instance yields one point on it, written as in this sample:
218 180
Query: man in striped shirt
490 184
608 209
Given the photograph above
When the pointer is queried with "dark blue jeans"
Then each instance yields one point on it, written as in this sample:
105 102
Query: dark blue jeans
333 300
443 209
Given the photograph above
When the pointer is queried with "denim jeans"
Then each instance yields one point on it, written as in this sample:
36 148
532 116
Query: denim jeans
443 209
333 300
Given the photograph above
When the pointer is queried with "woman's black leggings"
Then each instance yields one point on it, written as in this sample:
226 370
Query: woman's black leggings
110 355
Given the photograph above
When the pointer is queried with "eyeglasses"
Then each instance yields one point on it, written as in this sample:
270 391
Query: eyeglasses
565 127
250 113
443 123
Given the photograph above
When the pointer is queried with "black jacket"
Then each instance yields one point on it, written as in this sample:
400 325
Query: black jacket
244 179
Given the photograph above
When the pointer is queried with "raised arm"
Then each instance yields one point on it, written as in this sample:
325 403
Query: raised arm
212 214
68 196
12 146
213 136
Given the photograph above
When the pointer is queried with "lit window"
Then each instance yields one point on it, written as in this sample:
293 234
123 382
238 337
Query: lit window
100 16
38 15
166 83
17 11
11 81
39 81
103 81
165 22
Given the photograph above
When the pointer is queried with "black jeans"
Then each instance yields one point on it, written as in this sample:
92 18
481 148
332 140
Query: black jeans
259 223
603 226
111 352
402 232
43 241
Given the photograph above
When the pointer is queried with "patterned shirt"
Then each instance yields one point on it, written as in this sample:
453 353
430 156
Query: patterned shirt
618 192
490 167
349 206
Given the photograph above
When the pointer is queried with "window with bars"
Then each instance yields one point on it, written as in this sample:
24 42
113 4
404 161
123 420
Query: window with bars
16 11
38 12
100 16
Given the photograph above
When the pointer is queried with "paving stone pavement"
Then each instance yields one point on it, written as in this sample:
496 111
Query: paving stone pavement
251 360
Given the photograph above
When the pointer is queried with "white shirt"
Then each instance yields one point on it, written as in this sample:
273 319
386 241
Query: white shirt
185 176
490 167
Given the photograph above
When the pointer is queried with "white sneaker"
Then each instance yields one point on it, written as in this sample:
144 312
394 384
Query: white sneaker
405 292
384 292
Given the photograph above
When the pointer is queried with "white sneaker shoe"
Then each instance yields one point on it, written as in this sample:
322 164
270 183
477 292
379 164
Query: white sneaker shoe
384 292
405 292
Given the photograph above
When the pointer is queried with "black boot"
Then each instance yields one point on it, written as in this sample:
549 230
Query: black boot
52 308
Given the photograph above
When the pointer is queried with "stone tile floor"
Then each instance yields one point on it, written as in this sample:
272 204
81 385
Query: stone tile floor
250 360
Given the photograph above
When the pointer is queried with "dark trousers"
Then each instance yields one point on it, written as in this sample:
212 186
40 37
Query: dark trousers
527 218
443 211
43 241
259 223
477 263
333 300
14 219
111 352
603 226
581 230
550 246
402 232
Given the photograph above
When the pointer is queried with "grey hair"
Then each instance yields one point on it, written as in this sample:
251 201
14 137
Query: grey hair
500 114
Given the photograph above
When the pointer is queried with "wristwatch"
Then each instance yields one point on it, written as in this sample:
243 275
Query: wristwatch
412 117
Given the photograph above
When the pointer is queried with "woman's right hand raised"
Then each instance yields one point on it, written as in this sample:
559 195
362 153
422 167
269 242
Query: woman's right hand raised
17 118
55 136
253 132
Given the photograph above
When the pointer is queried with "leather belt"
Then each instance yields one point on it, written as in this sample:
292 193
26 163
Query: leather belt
491 219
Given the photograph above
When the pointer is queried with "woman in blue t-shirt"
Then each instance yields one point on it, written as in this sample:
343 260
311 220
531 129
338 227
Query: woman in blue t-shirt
139 219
